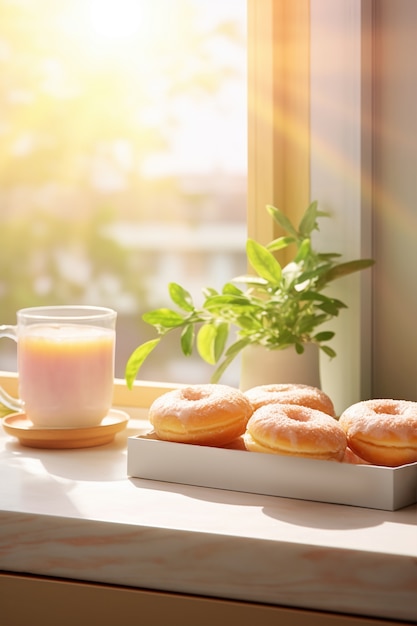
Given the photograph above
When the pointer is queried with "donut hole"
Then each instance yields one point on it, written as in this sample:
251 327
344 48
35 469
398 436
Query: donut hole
272 389
192 395
388 408
297 413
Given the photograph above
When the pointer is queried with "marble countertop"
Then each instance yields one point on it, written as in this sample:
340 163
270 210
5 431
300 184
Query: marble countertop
76 514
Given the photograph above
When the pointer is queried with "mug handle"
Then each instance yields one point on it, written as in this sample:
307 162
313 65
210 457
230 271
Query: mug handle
9 401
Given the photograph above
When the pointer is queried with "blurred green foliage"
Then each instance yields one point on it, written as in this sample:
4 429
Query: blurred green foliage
50 259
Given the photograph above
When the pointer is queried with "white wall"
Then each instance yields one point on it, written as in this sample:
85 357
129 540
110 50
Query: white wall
337 181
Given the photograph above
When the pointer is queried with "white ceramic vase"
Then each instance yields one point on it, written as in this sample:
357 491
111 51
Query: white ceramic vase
260 366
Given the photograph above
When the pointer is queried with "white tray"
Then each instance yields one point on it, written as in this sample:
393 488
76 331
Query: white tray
290 477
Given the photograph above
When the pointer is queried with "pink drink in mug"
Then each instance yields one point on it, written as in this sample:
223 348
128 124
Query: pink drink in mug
65 364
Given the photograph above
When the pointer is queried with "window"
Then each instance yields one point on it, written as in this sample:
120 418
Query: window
123 158
310 81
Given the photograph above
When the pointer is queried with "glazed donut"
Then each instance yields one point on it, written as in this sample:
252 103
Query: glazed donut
382 432
295 430
208 414
304 395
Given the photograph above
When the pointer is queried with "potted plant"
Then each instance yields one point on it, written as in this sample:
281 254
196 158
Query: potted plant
278 307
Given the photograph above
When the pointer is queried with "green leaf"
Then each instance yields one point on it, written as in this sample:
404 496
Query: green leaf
221 339
280 243
263 262
343 269
303 251
187 340
329 351
247 322
211 340
230 289
251 280
313 296
205 343
308 322
325 335
282 220
163 317
328 256
331 307
209 291
315 275
220 302
237 347
181 297
137 358
308 222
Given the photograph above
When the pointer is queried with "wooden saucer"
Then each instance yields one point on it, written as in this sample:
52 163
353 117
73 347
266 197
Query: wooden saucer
18 425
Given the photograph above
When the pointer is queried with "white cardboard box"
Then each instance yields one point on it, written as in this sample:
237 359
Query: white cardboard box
254 472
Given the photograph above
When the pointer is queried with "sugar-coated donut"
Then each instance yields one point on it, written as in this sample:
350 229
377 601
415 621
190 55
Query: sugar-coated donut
208 414
290 393
295 430
383 432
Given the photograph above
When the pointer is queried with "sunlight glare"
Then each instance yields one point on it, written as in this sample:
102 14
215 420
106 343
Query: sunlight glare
115 19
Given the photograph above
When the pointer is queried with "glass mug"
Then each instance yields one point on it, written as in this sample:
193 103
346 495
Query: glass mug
65 363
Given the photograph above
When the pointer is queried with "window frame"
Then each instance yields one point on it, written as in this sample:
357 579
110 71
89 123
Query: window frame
287 166
278 99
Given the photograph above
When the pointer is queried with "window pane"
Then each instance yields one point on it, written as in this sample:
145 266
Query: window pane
123 159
